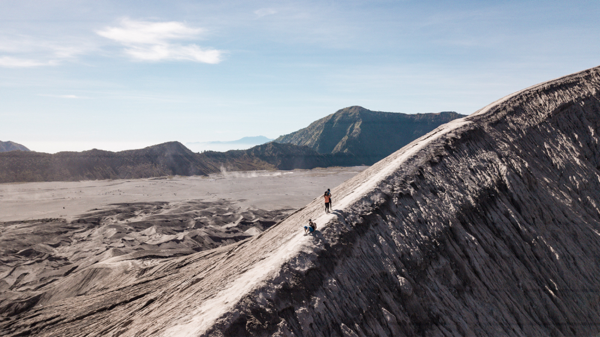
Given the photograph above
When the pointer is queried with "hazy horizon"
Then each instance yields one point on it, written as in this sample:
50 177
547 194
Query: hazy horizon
115 75
220 146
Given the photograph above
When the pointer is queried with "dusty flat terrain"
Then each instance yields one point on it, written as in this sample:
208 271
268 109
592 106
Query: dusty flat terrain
51 230
259 189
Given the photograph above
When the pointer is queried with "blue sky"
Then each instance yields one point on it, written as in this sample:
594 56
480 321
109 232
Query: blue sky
115 75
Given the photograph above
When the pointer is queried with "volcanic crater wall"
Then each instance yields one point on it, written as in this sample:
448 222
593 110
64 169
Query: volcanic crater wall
492 229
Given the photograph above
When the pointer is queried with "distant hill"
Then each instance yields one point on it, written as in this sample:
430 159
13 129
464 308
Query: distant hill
289 156
171 158
366 135
11 146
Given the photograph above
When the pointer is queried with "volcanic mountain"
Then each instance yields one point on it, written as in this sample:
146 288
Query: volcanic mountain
487 226
368 136
11 146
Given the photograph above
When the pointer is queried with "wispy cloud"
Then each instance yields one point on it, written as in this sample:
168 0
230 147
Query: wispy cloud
13 62
264 12
66 52
23 51
152 41
144 32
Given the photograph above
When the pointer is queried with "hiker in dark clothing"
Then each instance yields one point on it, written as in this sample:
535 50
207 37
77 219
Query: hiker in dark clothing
310 228
327 201
330 199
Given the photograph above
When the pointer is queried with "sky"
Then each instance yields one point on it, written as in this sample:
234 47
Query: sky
117 75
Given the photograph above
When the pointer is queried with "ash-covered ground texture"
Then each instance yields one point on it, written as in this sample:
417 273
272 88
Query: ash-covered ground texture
487 226
37 255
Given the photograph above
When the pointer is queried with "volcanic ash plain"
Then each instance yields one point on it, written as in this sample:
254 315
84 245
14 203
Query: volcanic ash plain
51 231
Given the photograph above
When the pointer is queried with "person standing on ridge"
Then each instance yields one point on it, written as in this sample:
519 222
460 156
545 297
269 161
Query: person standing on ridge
330 199
327 201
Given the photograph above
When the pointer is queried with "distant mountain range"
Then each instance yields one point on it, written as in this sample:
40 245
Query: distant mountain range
349 137
11 146
165 159
159 160
366 135
240 144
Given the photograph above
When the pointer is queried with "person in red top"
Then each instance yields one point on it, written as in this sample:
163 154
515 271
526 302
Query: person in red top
327 201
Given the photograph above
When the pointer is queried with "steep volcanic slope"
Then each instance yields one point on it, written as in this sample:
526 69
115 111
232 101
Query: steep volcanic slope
488 225
368 136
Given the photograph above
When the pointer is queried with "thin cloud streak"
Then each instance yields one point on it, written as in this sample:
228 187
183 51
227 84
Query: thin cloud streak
151 41
174 52
23 51
13 62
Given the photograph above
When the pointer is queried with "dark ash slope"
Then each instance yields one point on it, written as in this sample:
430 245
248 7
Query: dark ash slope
491 229
487 226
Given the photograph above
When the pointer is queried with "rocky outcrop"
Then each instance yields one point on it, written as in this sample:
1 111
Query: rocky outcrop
487 226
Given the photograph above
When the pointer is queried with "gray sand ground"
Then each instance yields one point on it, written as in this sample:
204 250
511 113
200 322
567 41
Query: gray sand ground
50 230
258 189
